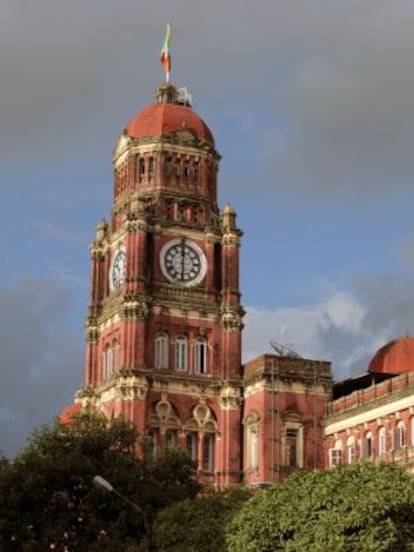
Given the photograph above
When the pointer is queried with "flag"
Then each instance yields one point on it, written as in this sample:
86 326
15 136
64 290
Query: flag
165 56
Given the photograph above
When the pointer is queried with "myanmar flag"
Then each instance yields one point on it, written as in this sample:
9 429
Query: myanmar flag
165 56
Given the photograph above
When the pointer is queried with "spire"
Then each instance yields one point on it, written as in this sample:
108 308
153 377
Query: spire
165 56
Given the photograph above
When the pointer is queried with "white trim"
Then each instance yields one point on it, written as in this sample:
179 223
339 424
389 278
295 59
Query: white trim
369 415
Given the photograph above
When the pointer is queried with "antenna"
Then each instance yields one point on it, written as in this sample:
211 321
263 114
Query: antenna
283 351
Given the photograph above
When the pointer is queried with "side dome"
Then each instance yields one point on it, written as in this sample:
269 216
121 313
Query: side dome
166 116
66 415
396 357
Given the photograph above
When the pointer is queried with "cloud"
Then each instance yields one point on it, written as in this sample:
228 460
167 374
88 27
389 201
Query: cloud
41 361
344 327
330 82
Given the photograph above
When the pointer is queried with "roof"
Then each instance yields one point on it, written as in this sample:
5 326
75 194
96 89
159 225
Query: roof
66 415
396 357
164 118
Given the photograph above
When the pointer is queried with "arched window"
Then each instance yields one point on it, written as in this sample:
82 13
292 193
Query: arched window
399 435
200 356
110 359
153 435
105 367
178 168
412 431
141 169
171 438
252 445
181 353
168 167
161 351
381 441
350 450
335 454
195 171
208 452
367 450
192 445
151 165
186 169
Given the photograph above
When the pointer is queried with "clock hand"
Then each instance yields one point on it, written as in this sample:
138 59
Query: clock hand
182 259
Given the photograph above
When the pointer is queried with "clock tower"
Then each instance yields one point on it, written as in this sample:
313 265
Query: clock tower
163 331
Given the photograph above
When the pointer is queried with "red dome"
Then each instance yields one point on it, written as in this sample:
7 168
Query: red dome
396 357
66 415
161 119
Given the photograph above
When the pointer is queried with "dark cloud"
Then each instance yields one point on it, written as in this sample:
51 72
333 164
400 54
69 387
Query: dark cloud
41 361
332 80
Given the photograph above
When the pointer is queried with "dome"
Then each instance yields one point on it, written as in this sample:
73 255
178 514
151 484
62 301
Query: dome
164 118
66 415
396 357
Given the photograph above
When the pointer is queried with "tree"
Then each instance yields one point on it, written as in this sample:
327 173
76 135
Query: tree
354 507
47 496
198 525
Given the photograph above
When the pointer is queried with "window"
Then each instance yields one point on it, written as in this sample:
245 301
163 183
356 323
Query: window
181 354
367 450
412 431
177 168
192 441
335 454
161 351
171 438
195 170
200 356
168 167
208 452
252 444
151 166
110 360
350 450
399 435
141 168
335 457
381 441
292 447
153 439
186 169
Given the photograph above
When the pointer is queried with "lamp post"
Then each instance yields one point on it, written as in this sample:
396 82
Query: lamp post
102 483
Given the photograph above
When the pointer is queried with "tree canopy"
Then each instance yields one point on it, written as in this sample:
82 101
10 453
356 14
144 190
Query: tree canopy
47 497
354 507
198 525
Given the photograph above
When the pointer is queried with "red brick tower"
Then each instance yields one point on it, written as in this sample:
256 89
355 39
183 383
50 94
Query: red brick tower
164 325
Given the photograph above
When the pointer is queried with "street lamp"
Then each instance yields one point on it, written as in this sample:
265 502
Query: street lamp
102 483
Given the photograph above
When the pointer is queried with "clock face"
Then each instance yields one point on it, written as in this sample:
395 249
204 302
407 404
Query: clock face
118 270
183 262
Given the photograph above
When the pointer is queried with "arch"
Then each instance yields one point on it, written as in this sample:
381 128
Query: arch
350 449
181 353
161 342
382 448
200 356
367 448
336 453
399 435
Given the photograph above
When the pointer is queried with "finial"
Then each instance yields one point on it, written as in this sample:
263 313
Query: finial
165 56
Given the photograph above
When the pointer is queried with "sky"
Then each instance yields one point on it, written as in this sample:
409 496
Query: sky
311 106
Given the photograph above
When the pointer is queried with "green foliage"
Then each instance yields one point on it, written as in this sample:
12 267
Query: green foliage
197 525
360 507
47 495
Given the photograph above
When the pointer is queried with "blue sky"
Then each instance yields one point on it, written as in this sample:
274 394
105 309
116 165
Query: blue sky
311 107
